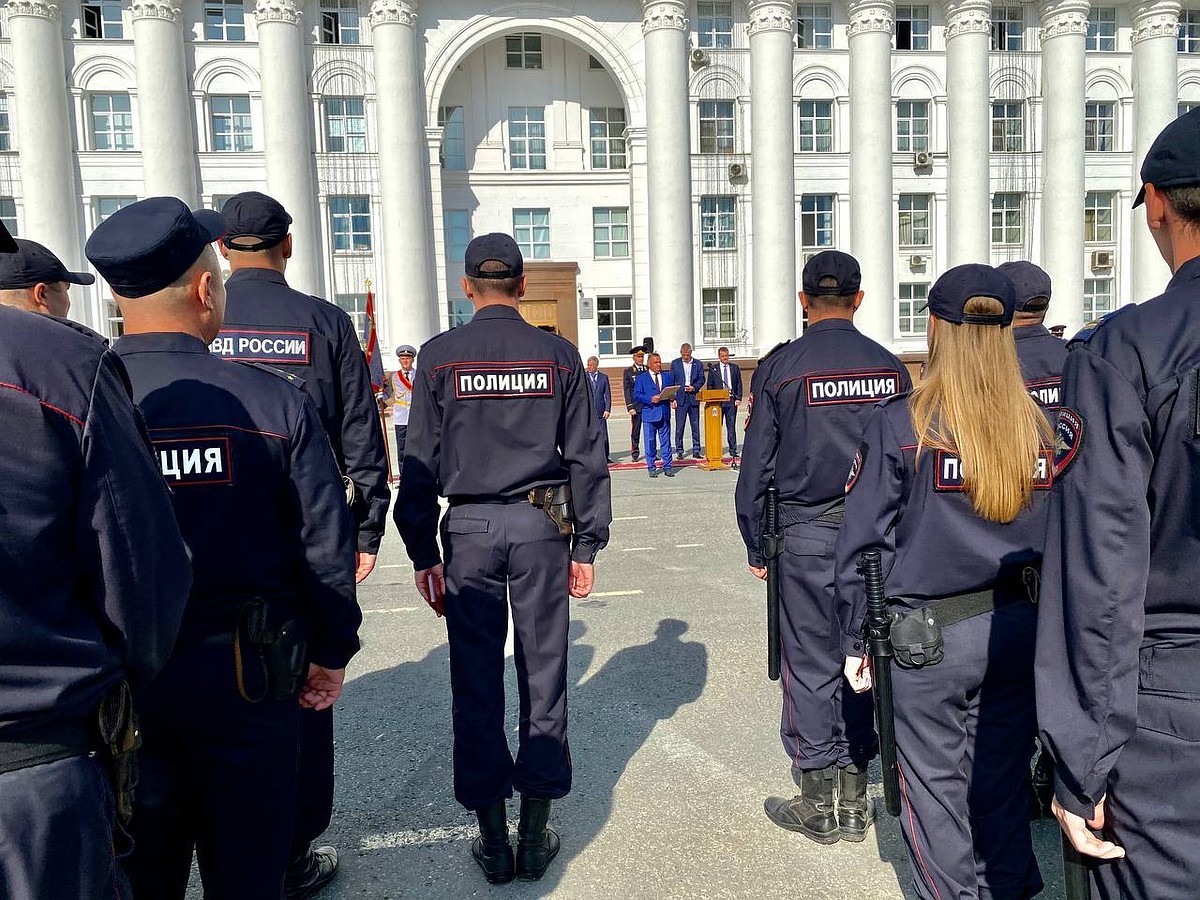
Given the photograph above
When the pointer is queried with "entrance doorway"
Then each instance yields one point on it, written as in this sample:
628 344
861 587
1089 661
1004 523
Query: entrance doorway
551 300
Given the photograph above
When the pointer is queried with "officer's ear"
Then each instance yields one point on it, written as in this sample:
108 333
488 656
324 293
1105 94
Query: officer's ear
465 284
857 302
285 246
222 248
521 286
37 294
804 301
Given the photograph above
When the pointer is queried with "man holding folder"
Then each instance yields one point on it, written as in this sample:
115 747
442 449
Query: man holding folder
656 391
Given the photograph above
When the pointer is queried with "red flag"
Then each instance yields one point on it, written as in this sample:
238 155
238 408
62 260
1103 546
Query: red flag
374 361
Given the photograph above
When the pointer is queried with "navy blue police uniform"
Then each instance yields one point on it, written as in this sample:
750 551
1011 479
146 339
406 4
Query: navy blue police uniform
812 398
1041 354
964 724
92 592
262 506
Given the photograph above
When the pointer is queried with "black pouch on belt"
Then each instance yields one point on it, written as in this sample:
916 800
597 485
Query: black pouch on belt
281 650
917 638
555 502
120 739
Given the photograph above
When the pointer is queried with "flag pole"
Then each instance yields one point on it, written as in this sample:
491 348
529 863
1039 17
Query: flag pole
372 349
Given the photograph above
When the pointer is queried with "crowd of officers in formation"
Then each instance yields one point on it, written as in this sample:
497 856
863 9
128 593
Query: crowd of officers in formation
187 512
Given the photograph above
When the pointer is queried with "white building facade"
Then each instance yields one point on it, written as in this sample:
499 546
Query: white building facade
673 162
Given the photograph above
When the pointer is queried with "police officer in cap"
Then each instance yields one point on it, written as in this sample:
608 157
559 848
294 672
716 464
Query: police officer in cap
1041 354
272 619
268 322
34 279
1118 653
813 396
502 425
92 591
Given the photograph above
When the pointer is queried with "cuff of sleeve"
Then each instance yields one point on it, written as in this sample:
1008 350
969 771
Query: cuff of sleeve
1080 806
854 645
584 552
329 656
755 559
369 542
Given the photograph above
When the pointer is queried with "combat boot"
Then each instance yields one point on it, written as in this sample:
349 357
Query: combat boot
812 812
537 844
855 812
491 849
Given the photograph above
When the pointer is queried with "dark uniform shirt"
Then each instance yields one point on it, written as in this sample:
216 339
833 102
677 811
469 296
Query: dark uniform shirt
812 398
255 487
1123 545
501 407
93 573
1042 356
268 322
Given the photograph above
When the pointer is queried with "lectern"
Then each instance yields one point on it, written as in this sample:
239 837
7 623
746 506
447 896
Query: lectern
710 408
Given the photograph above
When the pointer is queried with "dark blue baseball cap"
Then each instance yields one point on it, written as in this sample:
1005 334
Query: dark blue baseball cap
1031 284
254 221
147 245
1174 158
33 264
951 292
841 267
495 247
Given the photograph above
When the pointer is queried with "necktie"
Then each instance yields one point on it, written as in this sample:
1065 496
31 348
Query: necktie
724 376
656 383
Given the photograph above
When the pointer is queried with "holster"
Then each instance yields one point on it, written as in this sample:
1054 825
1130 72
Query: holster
119 741
555 501
281 651
917 639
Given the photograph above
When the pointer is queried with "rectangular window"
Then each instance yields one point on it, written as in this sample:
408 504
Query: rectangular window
461 312
345 125
354 305
5 124
718 223
8 214
714 25
912 27
614 319
224 20
1097 298
1007 218
531 230
1099 127
454 138
610 232
912 298
1102 28
105 207
1189 31
1186 106
1008 28
340 22
1008 128
526 137
102 19
457 226
606 126
523 51
914 220
1098 212
912 126
112 122
219 201
719 312
816 126
716 126
350 224
816 221
232 130
814 26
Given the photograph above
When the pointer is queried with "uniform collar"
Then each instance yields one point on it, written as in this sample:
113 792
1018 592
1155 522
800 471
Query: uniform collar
497 311
1189 271
269 275
1025 332
831 325
160 342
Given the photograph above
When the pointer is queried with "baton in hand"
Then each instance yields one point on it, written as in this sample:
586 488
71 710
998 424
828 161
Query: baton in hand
772 545
879 641
1075 871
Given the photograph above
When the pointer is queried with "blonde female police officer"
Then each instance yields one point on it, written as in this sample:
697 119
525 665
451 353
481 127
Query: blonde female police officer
949 485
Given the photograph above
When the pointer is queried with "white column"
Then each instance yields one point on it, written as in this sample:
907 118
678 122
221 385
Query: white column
410 292
1155 104
287 118
968 42
669 173
1064 27
872 212
772 170
164 107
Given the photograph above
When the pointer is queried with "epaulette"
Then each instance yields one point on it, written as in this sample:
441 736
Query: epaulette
440 334
895 398
290 377
772 351
1085 333
82 329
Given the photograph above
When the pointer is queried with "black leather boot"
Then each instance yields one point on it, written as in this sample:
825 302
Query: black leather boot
491 849
855 812
537 844
812 812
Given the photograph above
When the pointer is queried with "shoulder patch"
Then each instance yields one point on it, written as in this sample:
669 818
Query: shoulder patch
1068 438
856 466
1086 333
287 376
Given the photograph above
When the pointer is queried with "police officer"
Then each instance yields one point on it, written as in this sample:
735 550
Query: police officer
34 279
1041 354
637 367
261 504
503 426
950 486
268 322
92 591
1118 655
812 398
400 389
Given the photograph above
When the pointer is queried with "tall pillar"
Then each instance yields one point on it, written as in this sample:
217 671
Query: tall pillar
1155 104
411 292
669 173
772 170
287 116
872 212
164 101
1064 27
968 43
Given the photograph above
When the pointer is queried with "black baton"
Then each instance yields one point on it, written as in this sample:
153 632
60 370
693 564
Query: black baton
772 545
879 641
1075 872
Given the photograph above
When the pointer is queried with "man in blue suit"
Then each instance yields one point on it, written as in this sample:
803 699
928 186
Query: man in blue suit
601 398
656 414
688 373
726 374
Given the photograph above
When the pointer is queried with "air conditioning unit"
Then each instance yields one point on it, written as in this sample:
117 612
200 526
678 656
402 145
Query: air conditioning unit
922 159
1102 259
916 262
699 57
737 171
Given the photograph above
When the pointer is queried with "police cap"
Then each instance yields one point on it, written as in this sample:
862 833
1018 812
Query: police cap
841 267
33 264
1174 157
950 293
1031 284
254 221
147 245
495 247
406 350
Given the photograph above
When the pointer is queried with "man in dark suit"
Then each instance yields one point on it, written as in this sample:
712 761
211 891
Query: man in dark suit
656 414
601 398
635 408
727 375
688 373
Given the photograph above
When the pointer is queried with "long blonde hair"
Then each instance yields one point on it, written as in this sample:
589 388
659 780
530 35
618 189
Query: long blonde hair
973 402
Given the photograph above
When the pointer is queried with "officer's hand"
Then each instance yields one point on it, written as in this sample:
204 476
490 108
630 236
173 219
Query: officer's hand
630 410
737 402
365 565
323 687
858 673
759 572
605 415
583 576
1081 838
431 584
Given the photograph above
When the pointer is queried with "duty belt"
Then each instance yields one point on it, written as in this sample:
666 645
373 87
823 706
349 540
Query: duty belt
960 607
47 744
797 513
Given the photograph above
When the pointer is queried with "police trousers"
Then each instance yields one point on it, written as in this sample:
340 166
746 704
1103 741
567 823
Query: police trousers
499 556
57 824
963 732
824 722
